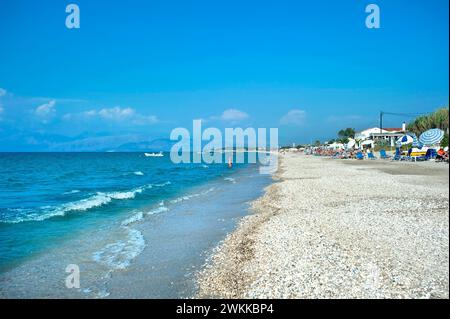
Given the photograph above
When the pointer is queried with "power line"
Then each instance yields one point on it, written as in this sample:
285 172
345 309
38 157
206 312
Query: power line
403 114
382 113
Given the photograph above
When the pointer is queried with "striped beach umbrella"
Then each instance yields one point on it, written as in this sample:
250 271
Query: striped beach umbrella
431 137
404 139
416 142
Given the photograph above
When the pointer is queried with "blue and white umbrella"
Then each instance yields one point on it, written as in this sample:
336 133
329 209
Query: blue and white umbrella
404 139
416 142
431 137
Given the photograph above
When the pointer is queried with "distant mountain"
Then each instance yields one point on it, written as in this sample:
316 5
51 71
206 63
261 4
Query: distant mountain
157 145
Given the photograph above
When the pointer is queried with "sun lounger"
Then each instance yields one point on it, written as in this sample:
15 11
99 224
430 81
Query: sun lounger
371 156
431 154
398 155
406 157
383 155
359 156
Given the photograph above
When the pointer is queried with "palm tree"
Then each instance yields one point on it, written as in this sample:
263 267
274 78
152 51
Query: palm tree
437 119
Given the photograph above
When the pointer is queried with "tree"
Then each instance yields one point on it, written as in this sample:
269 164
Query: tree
345 134
444 141
317 143
437 119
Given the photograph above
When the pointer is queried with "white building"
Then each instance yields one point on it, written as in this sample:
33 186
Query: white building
390 135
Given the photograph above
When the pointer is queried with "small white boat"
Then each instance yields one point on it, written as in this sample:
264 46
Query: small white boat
160 154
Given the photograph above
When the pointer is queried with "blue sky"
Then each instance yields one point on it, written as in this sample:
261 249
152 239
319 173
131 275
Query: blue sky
137 69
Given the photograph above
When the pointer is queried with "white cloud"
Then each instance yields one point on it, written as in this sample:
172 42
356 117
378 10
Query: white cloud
232 115
46 108
3 92
46 111
116 114
293 117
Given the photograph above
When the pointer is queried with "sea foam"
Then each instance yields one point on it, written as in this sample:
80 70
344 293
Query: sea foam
118 255
133 219
190 196
158 210
230 179
72 192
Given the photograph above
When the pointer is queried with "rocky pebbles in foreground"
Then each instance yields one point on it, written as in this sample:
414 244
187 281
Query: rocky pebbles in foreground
336 229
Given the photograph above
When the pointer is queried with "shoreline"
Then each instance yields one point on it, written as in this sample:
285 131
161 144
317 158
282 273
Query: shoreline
367 238
226 262
150 251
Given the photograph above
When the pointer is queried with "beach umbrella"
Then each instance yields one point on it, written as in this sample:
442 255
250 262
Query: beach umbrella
431 137
351 144
416 142
404 139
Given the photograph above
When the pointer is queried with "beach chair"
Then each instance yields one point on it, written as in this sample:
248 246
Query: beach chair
371 156
383 155
398 155
408 156
431 153
359 156
427 156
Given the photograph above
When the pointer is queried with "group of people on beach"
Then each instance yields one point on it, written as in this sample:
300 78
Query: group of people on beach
338 153
440 156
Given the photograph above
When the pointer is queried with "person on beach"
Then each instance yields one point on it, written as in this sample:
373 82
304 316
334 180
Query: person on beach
230 162
441 155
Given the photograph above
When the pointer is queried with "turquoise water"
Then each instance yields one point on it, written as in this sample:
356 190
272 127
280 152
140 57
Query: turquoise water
99 210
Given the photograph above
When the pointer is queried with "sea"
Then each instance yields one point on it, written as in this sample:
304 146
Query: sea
131 226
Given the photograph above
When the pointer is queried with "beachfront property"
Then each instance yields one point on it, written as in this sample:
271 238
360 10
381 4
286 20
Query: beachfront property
425 138
377 134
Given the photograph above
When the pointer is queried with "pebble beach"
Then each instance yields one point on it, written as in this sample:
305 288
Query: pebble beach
339 229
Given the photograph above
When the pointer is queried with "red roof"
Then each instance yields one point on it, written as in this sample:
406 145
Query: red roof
393 129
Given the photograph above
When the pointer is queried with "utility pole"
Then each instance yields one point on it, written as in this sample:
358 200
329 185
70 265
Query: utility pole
381 121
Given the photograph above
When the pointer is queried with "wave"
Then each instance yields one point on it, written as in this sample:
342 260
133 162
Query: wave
118 255
163 184
230 179
140 215
97 200
133 219
74 191
47 212
138 173
100 199
158 210
188 197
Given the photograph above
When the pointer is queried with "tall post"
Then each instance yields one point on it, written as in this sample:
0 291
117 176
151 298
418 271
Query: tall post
381 122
